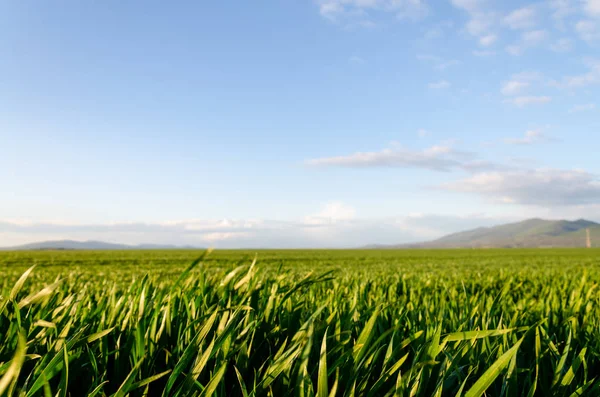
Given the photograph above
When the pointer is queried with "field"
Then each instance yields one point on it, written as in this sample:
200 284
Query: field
300 323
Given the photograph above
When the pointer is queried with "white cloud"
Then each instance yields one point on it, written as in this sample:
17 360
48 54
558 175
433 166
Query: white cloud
562 45
592 7
438 30
190 232
447 63
531 137
356 60
514 87
534 37
439 85
515 49
528 40
428 58
217 237
358 10
484 54
438 62
522 18
588 30
467 5
541 187
591 77
439 158
562 9
410 9
481 22
422 133
520 82
522 101
528 75
433 33
487 40
332 212
442 158
327 227
338 228
582 108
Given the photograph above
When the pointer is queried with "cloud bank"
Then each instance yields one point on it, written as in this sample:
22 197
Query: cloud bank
543 188
334 226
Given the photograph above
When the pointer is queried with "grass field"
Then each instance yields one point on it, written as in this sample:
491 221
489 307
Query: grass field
300 323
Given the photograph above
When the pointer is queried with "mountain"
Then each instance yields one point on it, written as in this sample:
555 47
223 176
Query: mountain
87 245
530 233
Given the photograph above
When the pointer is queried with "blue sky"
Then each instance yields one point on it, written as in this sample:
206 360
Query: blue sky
295 123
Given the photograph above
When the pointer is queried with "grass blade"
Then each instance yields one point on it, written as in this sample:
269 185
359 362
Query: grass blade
493 372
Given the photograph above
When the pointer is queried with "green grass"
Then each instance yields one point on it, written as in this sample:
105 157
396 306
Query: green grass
300 323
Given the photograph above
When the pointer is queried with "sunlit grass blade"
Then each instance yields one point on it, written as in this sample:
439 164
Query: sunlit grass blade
20 282
12 373
127 384
493 372
214 381
362 343
323 387
470 335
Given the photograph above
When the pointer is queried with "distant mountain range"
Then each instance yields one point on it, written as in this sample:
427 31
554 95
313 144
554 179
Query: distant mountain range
530 233
88 245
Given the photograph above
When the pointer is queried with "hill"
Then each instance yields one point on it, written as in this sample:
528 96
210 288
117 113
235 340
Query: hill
530 233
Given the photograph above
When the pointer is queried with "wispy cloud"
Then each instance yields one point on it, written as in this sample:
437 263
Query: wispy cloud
531 137
439 85
438 158
592 7
488 40
583 108
484 53
562 45
441 158
517 184
357 11
522 18
438 62
519 82
528 40
332 212
591 77
514 87
562 9
481 22
355 59
588 30
522 101
471 6
438 30
334 225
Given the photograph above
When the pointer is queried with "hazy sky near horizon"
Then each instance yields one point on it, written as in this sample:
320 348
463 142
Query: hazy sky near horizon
309 123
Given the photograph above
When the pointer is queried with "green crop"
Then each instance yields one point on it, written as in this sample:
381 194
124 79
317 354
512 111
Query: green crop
300 323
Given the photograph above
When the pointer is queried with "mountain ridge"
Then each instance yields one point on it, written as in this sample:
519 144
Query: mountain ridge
530 233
